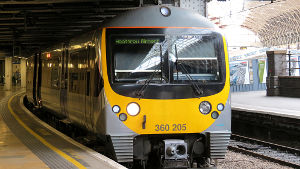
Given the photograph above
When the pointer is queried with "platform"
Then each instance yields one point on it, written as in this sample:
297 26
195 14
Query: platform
258 102
27 142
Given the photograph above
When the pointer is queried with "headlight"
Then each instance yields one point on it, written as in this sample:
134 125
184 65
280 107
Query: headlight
123 117
220 107
116 109
214 115
165 11
133 109
205 107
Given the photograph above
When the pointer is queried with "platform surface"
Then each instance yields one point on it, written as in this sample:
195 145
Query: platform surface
26 142
257 101
13 153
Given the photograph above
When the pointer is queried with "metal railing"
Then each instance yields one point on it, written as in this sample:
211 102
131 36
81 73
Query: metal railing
290 67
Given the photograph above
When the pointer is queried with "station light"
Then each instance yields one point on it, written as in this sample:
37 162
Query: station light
133 109
205 107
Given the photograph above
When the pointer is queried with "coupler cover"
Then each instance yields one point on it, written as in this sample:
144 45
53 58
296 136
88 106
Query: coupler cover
175 149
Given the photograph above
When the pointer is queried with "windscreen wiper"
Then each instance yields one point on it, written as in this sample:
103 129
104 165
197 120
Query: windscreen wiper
176 63
147 82
161 62
198 90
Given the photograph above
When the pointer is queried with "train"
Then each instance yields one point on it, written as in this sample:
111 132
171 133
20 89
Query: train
152 83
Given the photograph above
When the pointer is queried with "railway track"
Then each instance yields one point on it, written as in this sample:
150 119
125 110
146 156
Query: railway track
273 152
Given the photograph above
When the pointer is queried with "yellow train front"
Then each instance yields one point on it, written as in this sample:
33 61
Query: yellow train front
166 78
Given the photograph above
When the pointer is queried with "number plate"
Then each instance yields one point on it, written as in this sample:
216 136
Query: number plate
170 127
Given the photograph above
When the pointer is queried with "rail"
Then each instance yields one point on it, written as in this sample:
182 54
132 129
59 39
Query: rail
273 152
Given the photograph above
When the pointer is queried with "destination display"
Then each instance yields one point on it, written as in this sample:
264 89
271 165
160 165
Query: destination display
136 41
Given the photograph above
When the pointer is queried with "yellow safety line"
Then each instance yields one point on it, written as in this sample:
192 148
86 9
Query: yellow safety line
61 153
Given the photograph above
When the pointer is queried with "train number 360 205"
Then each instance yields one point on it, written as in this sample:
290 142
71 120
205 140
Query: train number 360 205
171 127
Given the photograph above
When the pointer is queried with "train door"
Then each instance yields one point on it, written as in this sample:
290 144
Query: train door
64 80
88 99
34 86
39 80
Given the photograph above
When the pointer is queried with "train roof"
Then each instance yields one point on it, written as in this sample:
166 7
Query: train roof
147 17
152 17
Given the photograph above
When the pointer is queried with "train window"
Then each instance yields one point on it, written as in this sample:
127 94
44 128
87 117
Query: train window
53 65
137 57
54 78
76 75
166 58
73 88
195 56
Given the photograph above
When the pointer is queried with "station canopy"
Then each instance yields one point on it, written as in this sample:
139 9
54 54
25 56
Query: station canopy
276 23
27 26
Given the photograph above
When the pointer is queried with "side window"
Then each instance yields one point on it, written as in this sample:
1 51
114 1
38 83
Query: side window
73 88
74 73
54 78
50 76
50 70
75 67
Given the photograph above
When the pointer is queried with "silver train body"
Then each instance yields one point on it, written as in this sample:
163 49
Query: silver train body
71 79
